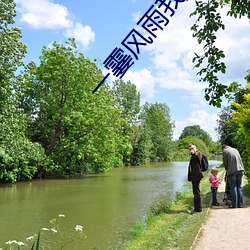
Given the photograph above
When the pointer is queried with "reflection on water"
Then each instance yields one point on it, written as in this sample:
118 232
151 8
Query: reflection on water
104 204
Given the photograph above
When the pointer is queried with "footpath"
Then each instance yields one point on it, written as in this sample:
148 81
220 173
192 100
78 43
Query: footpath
225 228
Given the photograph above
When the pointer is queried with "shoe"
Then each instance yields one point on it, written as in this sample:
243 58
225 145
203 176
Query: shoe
231 207
194 212
217 204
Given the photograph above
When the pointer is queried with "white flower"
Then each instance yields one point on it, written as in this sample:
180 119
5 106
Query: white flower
54 230
10 242
20 243
29 238
45 229
78 228
61 215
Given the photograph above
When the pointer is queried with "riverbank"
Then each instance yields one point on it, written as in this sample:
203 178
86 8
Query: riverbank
172 227
175 228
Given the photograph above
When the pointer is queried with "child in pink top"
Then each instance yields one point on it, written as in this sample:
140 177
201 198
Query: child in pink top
214 186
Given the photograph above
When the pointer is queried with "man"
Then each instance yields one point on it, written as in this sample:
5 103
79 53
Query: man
195 175
235 169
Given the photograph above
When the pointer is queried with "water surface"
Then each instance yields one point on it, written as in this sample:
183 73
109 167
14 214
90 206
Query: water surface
104 204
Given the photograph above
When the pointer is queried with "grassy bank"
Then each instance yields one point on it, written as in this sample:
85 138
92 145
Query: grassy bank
172 226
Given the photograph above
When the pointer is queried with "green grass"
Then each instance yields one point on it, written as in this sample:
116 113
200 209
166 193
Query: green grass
170 226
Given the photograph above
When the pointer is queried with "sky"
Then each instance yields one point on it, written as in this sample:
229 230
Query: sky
164 70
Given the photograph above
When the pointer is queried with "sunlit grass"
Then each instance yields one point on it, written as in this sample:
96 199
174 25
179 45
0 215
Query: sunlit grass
170 226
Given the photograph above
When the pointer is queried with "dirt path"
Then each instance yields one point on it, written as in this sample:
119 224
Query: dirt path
225 228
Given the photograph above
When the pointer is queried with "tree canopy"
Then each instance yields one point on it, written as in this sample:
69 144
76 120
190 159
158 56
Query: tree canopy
196 131
211 62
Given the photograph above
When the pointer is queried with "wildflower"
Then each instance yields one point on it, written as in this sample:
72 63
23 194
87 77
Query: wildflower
54 230
45 229
29 238
10 242
20 243
78 228
61 215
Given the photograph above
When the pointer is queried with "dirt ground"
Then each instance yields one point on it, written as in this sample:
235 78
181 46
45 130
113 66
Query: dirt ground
225 228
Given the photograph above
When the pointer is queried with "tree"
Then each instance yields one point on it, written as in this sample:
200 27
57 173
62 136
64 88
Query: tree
208 23
227 127
196 131
12 50
128 100
242 117
184 142
79 131
20 158
156 120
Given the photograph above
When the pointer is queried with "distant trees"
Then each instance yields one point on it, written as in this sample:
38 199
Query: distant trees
148 128
183 144
197 132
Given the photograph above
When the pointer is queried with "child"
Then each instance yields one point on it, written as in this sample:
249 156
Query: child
214 185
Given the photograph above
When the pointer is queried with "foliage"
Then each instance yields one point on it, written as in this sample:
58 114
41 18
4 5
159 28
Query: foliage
156 120
227 127
128 100
12 50
79 131
201 146
241 115
20 158
233 123
211 63
215 148
196 131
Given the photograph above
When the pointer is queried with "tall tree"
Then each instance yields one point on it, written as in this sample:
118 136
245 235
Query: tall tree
128 100
211 63
79 131
19 157
157 121
12 51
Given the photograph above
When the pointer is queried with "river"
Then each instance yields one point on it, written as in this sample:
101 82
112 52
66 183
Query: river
104 204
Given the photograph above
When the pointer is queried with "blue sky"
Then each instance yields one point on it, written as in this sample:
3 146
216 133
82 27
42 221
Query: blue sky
164 71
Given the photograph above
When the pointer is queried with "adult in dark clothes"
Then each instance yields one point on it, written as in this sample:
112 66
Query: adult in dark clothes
195 175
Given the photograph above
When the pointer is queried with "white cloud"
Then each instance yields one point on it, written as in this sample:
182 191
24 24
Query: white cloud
200 117
83 34
144 82
44 14
173 49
